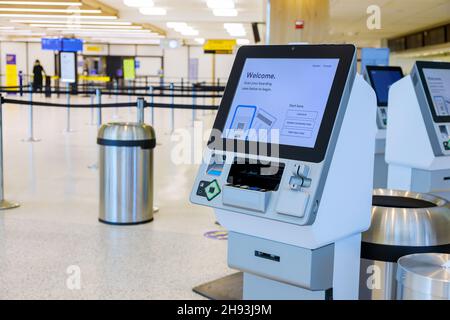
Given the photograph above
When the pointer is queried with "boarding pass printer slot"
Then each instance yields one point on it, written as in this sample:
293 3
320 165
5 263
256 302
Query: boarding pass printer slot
251 184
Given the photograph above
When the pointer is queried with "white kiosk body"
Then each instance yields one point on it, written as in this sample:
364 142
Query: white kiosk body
296 199
381 78
418 133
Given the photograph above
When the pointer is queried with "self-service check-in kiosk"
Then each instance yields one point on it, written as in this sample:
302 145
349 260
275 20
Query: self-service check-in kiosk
381 78
288 170
418 133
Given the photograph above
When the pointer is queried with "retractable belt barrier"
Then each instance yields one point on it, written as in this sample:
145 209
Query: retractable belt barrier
194 88
118 93
110 105
140 104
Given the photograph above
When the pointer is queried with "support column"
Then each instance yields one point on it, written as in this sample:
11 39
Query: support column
284 14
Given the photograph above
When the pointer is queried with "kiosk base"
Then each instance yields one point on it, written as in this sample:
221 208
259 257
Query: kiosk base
257 288
226 288
331 272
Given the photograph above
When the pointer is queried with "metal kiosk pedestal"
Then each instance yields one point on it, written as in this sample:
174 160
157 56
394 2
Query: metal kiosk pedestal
126 173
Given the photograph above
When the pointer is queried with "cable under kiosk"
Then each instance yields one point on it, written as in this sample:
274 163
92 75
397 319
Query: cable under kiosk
289 170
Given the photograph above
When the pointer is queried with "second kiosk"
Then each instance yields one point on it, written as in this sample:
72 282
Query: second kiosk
418 133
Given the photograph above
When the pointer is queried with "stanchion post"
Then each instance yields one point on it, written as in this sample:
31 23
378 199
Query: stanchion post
21 83
140 104
4 204
172 119
152 104
68 108
31 137
194 105
129 93
116 92
98 96
92 108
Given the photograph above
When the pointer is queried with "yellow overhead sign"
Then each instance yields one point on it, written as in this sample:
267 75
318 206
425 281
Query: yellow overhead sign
219 46
93 48
95 78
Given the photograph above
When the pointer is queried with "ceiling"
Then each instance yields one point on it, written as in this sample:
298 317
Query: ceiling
348 18
196 14
398 17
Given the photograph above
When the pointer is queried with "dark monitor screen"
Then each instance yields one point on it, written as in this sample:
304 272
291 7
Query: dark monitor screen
381 79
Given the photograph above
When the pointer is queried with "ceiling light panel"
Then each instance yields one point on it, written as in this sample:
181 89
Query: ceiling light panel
139 3
43 3
66 26
235 29
183 28
75 10
116 34
220 4
118 23
153 11
102 30
73 16
222 8
225 12
200 40
243 42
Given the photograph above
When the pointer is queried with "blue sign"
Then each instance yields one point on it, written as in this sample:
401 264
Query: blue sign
62 44
72 45
54 44
137 64
374 57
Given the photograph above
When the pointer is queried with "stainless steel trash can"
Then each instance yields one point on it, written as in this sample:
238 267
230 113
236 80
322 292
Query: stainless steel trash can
126 173
403 223
424 277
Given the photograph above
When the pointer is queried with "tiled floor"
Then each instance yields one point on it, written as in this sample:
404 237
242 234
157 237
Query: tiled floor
56 226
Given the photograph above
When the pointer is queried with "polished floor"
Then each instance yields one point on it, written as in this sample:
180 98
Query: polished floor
55 236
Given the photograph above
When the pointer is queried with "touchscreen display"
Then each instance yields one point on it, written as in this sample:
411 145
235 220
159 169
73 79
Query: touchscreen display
438 82
382 80
282 98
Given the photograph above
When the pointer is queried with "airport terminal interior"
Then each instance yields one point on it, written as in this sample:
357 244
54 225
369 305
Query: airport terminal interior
225 149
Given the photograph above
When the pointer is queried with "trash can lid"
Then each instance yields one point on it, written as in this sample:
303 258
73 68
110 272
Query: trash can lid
428 273
127 134
403 218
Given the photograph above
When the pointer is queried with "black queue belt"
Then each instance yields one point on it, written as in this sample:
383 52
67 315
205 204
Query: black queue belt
62 105
180 106
163 95
110 105
25 89
114 93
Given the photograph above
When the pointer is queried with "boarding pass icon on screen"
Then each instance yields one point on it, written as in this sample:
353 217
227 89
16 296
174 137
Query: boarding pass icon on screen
242 122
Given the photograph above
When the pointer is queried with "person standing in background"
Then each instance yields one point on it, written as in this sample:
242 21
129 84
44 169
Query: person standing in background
38 70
